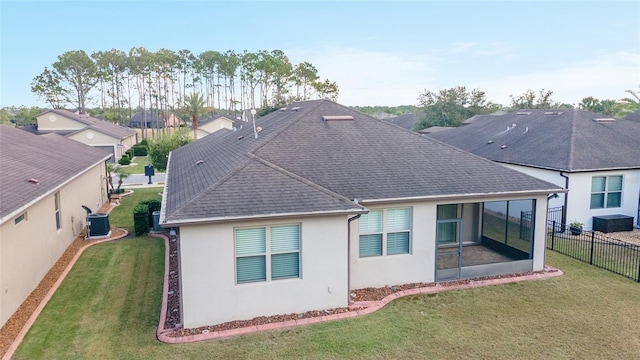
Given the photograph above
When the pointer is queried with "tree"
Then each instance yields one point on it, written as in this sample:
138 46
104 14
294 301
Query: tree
529 100
160 147
592 104
194 106
47 86
628 105
450 107
78 72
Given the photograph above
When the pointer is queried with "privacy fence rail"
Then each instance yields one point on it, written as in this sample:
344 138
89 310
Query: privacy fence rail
617 256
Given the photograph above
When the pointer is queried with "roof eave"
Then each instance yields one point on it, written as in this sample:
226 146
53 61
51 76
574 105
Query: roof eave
466 196
222 219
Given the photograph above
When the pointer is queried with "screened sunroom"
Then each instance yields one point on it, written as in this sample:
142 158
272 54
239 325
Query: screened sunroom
482 239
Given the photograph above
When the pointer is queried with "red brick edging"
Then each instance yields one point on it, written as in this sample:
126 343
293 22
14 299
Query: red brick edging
359 307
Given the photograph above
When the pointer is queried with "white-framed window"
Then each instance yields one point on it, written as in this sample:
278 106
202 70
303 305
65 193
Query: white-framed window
56 202
385 232
20 218
267 253
606 191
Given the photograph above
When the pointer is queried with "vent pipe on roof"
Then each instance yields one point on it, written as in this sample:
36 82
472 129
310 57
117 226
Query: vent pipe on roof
604 120
34 181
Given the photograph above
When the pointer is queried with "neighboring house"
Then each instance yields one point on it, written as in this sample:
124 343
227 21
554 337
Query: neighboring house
327 199
44 182
109 137
151 120
594 156
406 121
212 123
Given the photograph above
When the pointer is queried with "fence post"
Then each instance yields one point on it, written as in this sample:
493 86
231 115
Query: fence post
553 234
593 235
638 257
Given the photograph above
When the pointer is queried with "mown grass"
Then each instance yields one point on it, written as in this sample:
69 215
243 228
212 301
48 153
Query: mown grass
122 216
108 308
140 163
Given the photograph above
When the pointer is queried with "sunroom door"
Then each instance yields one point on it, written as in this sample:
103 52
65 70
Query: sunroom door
449 242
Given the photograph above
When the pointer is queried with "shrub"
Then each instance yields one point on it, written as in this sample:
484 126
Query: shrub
124 160
153 205
141 219
130 153
139 150
144 143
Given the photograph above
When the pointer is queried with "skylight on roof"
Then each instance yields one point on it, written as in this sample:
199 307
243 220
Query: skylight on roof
295 108
524 113
556 113
337 118
283 109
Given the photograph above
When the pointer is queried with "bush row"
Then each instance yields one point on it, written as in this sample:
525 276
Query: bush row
143 215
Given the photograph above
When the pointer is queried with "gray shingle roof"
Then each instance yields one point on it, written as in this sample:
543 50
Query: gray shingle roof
116 131
51 159
302 164
634 116
405 121
570 141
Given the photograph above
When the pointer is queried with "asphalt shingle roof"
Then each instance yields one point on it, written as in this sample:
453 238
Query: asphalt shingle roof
301 163
116 131
51 159
569 141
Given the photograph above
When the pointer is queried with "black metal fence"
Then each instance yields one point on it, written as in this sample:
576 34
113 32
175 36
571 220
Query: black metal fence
556 214
617 256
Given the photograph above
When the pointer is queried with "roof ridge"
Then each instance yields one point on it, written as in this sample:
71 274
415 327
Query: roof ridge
572 139
278 133
215 185
303 180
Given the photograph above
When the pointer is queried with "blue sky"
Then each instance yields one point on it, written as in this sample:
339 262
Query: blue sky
378 52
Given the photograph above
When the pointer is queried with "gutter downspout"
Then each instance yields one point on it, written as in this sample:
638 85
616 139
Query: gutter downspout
566 197
349 256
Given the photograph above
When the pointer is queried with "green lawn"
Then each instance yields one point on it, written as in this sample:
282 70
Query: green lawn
140 163
122 216
108 308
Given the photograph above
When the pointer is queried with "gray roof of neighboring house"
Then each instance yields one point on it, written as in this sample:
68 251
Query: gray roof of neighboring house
404 121
51 159
105 127
302 164
561 139
634 116
207 118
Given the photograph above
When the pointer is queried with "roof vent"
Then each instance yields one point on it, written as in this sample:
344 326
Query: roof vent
240 137
555 113
490 142
337 118
34 181
295 108
199 162
604 120
524 113
283 109
259 128
503 147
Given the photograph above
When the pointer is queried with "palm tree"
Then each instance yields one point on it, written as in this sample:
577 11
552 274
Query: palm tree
194 106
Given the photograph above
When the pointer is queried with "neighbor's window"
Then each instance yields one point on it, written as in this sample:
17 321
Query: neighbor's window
385 232
56 201
606 192
22 217
267 253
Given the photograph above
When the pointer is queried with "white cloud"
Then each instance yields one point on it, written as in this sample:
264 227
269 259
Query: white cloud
370 77
605 77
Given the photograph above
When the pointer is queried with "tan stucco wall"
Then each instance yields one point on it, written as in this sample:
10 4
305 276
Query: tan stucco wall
211 296
29 249
59 123
211 127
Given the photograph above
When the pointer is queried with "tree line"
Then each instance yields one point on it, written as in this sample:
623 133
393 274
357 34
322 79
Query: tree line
120 82
450 107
